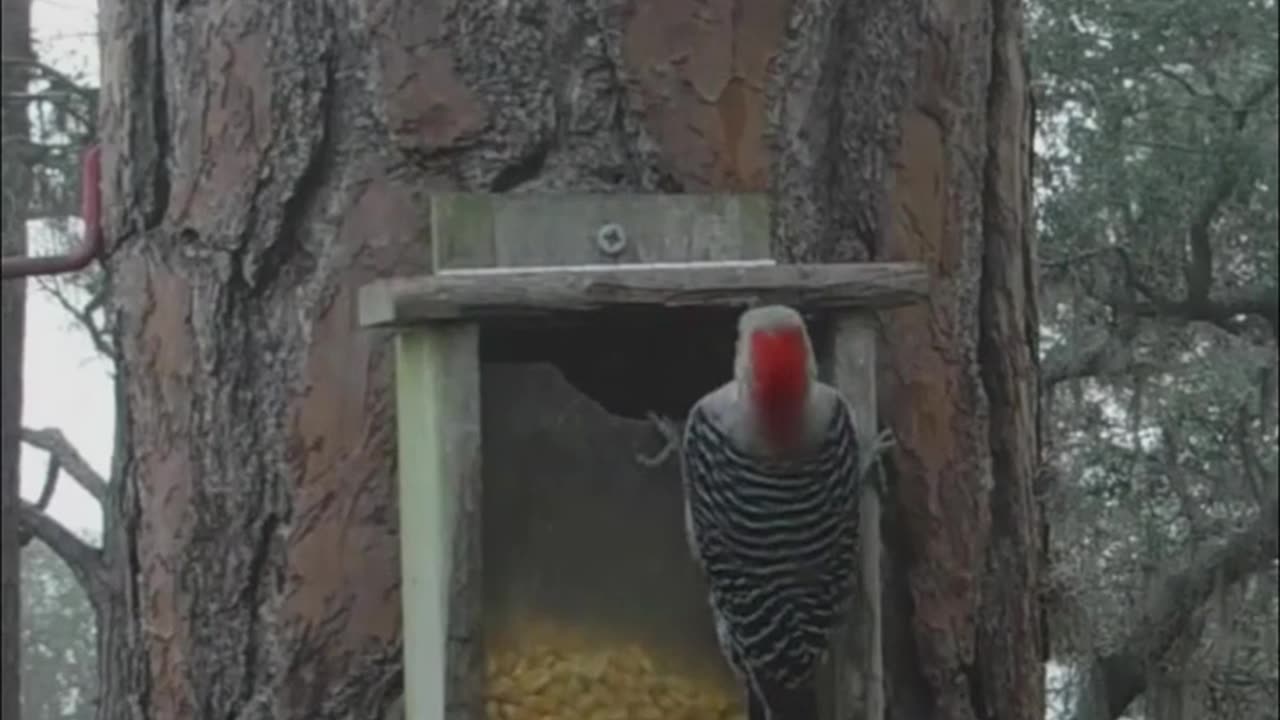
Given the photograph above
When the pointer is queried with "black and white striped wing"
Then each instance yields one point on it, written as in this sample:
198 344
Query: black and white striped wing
776 541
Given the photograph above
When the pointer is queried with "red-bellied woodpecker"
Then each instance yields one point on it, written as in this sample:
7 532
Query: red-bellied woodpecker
771 476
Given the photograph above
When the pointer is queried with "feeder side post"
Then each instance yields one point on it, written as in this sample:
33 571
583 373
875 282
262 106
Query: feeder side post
438 441
862 677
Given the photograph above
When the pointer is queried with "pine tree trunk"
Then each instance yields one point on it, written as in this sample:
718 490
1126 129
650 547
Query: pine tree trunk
15 29
265 159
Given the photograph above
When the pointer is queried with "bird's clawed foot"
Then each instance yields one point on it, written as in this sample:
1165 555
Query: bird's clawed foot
884 441
871 459
670 431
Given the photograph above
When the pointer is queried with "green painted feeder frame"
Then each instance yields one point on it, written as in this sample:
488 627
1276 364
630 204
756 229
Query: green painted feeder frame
532 259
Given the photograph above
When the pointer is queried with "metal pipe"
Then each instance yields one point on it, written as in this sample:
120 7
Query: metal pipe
92 242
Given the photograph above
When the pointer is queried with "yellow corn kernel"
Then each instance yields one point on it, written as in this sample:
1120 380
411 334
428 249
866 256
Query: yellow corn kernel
547 673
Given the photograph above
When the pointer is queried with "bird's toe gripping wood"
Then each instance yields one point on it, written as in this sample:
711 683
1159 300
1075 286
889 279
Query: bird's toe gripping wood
669 429
871 460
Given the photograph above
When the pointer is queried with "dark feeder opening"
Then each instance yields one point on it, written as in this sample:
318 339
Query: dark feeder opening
575 530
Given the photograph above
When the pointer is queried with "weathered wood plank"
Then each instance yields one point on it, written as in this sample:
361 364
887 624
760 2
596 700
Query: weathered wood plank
403 301
471 230
462 230
664 265
438 426
858 660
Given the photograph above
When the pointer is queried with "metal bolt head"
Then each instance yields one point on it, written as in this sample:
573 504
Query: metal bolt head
611 239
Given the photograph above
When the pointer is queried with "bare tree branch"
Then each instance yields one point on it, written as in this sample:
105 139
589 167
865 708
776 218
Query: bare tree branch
1199 267
1117 678
1199 270
50 483
83 315
52 441
53 75
56 97
38 150
86 562
1219 309
51 473
1171 74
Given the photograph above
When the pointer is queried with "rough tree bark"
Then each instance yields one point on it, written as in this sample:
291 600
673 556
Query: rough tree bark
15 32
265 159
880 162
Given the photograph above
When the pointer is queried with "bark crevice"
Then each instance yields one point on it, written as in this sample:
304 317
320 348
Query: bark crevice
1010 626
161 133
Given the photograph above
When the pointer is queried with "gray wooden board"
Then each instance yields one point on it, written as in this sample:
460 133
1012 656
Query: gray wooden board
405 301
478 230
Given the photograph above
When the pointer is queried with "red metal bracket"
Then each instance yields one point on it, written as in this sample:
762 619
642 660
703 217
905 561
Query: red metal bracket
92 242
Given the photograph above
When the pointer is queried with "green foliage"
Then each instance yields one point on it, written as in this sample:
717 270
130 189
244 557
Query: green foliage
1158 113
59 650
1157 197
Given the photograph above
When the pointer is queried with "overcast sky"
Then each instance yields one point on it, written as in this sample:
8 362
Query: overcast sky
65 384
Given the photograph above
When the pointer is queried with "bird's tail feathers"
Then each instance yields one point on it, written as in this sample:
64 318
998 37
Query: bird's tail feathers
768 701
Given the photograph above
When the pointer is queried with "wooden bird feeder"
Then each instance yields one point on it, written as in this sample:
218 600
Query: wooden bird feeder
525 367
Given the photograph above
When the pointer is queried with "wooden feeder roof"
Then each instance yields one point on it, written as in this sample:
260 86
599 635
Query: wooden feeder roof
495 294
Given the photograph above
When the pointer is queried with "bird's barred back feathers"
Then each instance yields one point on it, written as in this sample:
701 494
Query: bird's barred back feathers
776 540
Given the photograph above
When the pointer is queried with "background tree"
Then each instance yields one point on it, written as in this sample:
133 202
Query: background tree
58 641
265 159
1158 182
15 43
48 116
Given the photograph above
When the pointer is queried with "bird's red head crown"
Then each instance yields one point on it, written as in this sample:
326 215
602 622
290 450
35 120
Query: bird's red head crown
778 367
